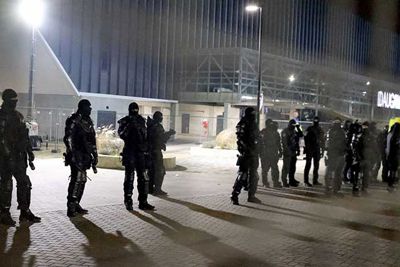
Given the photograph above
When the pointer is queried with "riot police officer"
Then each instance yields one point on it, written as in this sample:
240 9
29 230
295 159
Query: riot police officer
132 129
247 141
314 148
356 145
270 152
81 154
15 152
393 155
157 138
348 156
291 149
336 149
381 141
375 149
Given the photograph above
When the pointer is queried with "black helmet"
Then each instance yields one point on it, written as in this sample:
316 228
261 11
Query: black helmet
133 106
158 116
84 103
292 122
9 95
268 122
250 111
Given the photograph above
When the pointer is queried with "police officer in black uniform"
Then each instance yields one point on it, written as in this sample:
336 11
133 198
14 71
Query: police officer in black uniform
247 141
375 156
132 129
81 154
336 149
348 156
381 141
291 149
356 145
15 152
270 152
314 149
393 155
157 138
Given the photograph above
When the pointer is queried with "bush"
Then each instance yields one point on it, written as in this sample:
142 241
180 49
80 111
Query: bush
226 139
108 141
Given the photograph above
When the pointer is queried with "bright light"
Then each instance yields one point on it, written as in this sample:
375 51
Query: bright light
292 78
364 93
246 97
32 12
252 8
368 83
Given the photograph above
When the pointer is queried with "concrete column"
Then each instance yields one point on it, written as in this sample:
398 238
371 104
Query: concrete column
227 106
175 118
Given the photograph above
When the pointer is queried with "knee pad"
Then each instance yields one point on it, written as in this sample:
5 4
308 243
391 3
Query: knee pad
81 177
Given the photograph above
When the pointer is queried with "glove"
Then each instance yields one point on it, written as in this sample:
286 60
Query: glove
31 157
95 160
172 132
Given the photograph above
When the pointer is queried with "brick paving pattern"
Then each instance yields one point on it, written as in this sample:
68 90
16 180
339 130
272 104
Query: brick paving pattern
197 225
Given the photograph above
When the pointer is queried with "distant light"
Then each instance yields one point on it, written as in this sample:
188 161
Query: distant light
364 93
292 78
32 12
368 83
247 97
252 8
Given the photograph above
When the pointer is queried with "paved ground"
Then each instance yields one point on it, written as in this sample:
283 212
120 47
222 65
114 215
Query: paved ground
197 226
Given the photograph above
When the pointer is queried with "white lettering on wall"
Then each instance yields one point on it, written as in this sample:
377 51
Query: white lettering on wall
388 100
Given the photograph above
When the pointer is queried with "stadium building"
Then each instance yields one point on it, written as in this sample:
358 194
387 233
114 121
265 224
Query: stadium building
197 60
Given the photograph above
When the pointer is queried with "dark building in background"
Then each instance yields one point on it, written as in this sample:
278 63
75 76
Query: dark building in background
196 60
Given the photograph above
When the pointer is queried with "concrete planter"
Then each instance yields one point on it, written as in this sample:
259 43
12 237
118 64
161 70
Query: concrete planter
114 162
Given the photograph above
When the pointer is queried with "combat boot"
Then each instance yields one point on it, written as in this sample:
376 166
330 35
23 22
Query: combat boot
27 215
235 199
128 203
159 192
71 209
6 219
146 206
253 199
81 210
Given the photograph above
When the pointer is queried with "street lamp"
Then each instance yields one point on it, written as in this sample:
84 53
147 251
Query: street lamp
31 11
255 8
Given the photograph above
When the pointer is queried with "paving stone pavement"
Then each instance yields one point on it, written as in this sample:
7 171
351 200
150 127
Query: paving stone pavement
198 226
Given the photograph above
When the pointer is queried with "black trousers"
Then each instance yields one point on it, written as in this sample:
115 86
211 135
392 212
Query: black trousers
289 168
247 174
333 175
315 158
385 170
132 163
157 171
24 186
268 163
76 186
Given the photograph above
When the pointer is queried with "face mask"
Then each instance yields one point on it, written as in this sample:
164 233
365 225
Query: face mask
86 111
10 105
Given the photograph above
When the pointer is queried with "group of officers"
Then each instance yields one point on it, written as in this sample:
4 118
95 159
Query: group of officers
142 153
353 153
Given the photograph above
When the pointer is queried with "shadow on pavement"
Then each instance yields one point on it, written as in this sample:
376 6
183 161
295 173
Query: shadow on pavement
253 223
383 233
202 242
109 249
20 244
342 203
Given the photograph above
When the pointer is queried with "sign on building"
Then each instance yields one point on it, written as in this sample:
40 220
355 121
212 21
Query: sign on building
388 100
